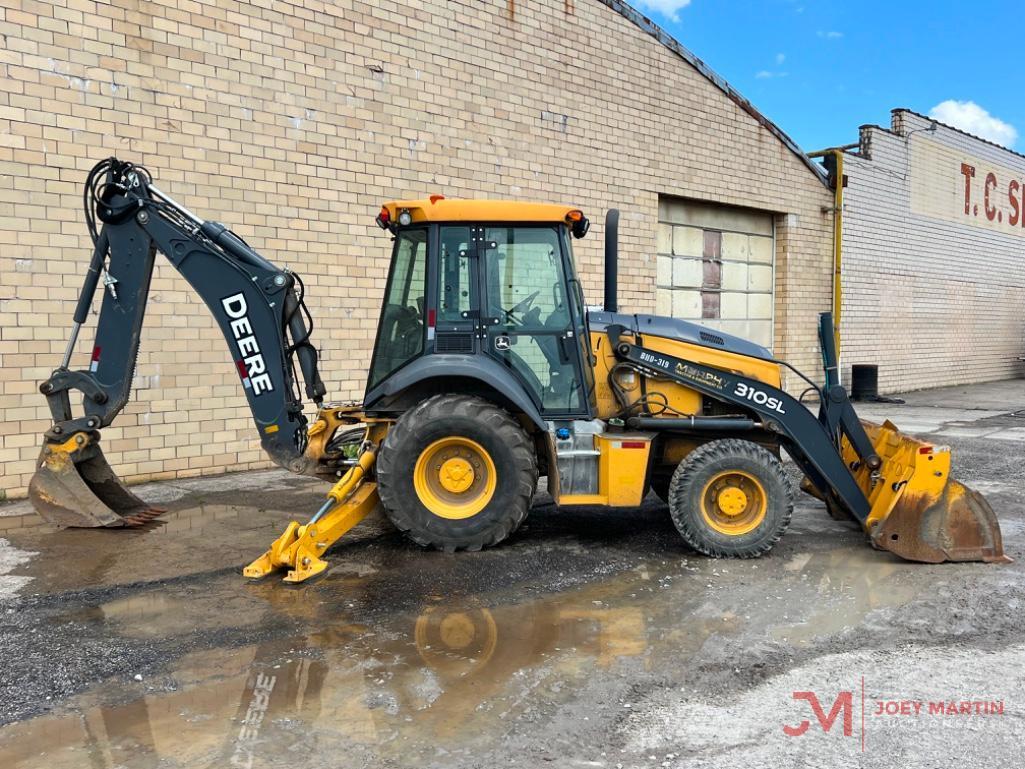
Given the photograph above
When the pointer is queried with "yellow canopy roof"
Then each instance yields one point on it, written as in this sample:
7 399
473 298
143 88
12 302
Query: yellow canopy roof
439 209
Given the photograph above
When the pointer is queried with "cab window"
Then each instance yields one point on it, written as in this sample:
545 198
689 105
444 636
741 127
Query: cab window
400 335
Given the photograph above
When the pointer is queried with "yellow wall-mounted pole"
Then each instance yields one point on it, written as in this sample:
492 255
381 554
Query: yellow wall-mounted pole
838 154
837 249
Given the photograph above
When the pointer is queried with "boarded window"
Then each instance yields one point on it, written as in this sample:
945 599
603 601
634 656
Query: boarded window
715 266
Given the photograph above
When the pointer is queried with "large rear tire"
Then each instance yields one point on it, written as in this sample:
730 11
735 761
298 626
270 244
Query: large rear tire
456 472
731 499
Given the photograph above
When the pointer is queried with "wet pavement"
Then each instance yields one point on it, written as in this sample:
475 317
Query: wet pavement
591 638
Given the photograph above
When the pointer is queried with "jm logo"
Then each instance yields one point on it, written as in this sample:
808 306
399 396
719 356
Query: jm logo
844 703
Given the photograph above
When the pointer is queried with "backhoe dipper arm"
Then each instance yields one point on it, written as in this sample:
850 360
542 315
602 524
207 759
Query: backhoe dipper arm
256 305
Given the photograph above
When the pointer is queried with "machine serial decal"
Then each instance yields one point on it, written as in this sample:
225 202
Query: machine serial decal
655 360
251 367
757 396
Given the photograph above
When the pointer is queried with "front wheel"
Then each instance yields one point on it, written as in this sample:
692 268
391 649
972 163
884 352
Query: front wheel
731 499
456 473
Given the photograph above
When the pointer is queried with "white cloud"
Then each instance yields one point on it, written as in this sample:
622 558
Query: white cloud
970 117
830 35
768 74
668 8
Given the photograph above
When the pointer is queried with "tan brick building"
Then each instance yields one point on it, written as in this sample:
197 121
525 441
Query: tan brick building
293 121
933 238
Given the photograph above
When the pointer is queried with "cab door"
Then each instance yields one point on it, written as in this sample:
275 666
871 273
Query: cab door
528 314
456 293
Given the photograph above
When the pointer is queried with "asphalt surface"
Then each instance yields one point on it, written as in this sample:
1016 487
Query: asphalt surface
591 638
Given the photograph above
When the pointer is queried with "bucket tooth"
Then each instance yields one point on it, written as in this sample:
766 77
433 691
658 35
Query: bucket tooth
75 487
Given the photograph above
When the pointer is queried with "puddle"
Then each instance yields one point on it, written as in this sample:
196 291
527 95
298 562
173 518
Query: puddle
839 588
385 671
10 524
396 656
187 540
446 677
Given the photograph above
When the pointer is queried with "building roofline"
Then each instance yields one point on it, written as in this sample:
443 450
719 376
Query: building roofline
629 13
961 131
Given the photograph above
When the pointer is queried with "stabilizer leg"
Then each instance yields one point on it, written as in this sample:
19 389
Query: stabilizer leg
299 548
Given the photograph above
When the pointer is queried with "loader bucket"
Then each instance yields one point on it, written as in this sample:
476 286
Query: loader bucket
73 486
918 511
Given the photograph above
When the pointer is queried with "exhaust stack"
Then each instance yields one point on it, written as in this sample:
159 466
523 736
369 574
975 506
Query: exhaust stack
611 260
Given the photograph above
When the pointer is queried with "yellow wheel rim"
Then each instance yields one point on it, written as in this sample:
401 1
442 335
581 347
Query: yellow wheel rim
734 503
455 478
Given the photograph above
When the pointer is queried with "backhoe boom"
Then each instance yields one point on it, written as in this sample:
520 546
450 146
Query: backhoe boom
258 306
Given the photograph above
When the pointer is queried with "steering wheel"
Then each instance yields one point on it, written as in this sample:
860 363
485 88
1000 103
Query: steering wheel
521 306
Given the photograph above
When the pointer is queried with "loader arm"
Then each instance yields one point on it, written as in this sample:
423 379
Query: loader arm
811 442
897 488
258 307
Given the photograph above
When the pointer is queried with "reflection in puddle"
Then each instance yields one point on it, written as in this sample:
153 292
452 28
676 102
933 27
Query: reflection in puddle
841 587
456 672
430 684
175 520
190 539
11 524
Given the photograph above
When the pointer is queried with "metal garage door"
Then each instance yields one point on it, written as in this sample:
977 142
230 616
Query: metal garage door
715 266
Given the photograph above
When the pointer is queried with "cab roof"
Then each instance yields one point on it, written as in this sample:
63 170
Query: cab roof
440 209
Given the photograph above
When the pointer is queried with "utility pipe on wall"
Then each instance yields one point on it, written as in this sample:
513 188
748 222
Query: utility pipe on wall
837 154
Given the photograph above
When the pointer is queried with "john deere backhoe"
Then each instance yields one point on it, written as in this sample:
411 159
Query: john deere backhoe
488 372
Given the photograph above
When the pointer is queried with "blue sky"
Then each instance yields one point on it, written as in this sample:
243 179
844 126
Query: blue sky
821 68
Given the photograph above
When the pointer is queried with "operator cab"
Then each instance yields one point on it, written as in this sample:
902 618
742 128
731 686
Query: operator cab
490 288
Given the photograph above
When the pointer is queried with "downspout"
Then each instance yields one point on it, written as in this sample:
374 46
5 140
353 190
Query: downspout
838 184
838 180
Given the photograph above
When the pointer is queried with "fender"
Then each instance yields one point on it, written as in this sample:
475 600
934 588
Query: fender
440 366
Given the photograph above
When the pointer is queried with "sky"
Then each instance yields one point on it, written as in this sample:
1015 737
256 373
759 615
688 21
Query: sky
821 68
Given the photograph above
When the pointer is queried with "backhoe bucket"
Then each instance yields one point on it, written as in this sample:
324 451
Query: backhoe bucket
74 487
918 511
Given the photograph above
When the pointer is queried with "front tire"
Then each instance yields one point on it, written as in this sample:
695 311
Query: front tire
456 473
731 499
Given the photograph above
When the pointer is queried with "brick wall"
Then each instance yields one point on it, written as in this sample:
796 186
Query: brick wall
933 294
292 122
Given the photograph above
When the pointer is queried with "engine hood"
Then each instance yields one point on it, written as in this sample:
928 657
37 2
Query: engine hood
682 330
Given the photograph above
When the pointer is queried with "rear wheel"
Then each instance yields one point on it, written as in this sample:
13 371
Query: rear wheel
731 498
456 473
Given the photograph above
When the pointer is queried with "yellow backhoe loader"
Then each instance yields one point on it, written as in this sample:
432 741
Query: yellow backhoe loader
489 372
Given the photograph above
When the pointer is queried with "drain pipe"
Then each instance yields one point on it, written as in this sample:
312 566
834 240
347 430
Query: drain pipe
612 260
836 154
